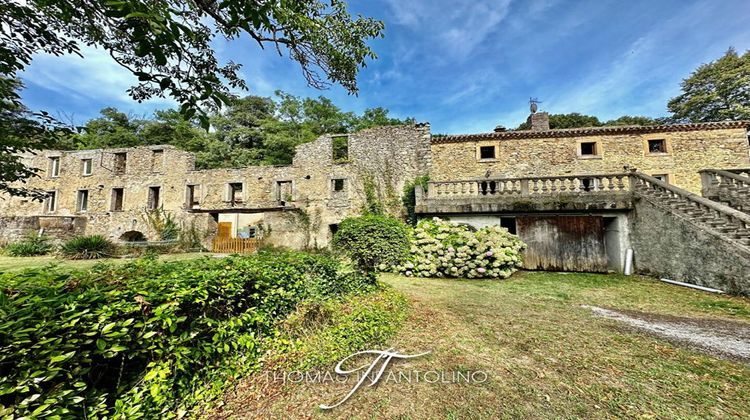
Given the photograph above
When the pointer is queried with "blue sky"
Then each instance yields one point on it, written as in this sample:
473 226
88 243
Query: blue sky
467 66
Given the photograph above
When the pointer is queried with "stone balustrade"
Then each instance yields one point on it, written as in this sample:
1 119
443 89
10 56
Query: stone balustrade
531 186
718 217
731 186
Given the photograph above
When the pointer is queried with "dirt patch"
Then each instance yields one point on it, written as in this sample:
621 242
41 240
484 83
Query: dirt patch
721 338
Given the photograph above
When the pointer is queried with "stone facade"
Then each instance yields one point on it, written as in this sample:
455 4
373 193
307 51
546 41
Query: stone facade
298 205
686 150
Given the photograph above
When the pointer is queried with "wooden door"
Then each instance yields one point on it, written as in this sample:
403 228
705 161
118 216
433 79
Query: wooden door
563 243
225 230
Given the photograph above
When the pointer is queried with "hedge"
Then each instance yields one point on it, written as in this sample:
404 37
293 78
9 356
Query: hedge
147 339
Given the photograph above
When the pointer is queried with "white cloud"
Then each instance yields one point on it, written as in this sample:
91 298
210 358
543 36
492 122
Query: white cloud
452 29
95 77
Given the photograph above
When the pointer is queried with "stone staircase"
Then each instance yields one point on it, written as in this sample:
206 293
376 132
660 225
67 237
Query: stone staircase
729 186
727 222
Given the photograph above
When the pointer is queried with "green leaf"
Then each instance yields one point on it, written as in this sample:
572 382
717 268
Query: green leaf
101 344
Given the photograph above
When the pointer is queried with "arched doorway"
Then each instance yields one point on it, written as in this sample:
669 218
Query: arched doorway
133 236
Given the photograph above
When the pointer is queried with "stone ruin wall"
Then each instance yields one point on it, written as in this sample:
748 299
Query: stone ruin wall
391 155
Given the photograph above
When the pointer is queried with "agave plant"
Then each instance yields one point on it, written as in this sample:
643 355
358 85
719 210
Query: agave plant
28 247
88 247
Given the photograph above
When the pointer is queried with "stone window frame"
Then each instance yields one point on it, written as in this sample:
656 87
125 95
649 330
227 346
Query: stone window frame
668 176
647 150
197 195
277 189
228 192
118 158
78 200
162 157
344 191
598 149
479 152
112 199
53 171
83 166
335 150
46 207
151 203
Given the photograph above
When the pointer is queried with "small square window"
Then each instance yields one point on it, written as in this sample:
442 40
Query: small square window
235 192
662 177
588 149
86 166
338 184
487 152
657 146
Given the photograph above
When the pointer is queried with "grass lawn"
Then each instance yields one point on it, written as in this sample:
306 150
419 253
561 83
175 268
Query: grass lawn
21 263
546 356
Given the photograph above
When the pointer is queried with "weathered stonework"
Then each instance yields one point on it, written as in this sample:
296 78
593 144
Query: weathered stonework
293 205
557 153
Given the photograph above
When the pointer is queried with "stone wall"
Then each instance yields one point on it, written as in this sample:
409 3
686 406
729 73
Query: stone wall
294 204
683 251
687 153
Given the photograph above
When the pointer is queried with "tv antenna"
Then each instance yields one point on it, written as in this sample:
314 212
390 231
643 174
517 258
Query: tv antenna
534 105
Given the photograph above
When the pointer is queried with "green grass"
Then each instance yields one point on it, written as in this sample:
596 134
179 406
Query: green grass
547 357
21 263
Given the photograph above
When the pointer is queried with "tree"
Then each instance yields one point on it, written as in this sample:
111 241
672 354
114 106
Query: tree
21 132
717 91
576 120
378 117
167 43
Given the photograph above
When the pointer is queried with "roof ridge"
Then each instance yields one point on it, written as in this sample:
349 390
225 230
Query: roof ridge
584 131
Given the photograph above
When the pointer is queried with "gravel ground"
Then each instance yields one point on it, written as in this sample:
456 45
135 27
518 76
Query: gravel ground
719 338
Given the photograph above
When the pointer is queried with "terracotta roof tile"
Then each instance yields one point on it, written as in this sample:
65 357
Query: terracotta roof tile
590 131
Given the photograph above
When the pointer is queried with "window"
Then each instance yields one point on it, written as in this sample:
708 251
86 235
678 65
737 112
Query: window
332 229
340 146
662 177
54 166
87 166
157 160
338 185
589 149
191 197
235 192
82 202
50 203
657 146
284 191
509 223
153 197
117 199
487 152
121 161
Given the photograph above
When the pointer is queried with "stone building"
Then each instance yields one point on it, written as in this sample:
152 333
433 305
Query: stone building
112 191
581 198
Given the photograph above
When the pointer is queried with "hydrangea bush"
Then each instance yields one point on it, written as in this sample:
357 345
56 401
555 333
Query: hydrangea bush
442 248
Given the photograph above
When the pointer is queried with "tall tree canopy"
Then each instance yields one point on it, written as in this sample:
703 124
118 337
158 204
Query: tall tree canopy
576 120
253 130
167 43
719 90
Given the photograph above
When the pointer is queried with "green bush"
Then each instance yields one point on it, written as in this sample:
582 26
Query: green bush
88 247
372 240
29 247
446 249
145 339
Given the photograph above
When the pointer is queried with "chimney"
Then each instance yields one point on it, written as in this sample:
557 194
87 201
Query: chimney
538 121
500 129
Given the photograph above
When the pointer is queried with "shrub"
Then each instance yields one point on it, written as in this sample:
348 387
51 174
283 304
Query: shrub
88 247
373 240
30 246
145 339
446 249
